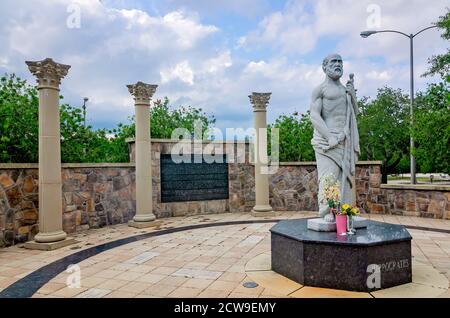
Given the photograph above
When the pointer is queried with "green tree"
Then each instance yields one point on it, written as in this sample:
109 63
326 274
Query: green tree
80 143
384 129
431 130
440 64
19 127
117 150
19 112
164 119
18 120
295 132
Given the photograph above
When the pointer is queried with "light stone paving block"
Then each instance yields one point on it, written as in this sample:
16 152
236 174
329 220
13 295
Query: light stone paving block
274 282
196 273
427 275
120 294
261 262
251 240
411 290
142 258
94 293
315 292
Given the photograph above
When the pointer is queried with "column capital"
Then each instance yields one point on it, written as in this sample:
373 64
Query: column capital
48 72
259 101
142 92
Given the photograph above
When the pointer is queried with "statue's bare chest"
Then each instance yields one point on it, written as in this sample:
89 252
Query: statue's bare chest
334 99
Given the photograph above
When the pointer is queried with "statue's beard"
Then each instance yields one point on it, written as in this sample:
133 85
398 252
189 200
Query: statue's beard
335 73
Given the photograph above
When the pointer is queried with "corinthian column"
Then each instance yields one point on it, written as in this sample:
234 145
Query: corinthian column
142 94
262 206
51 235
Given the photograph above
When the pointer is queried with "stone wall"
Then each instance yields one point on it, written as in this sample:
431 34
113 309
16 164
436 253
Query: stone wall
97 195
294 187
93 196
431 201
238 154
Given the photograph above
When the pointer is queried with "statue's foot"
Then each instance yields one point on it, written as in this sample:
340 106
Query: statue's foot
329 218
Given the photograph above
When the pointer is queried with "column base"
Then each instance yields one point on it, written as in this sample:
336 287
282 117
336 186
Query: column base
142 225
148 217
49 246
262 211
50 237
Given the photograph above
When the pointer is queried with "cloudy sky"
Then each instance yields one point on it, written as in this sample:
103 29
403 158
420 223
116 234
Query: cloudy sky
212 54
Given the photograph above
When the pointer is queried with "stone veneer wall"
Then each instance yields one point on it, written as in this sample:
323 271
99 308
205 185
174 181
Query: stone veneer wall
97 195
94 195
431 201
292 188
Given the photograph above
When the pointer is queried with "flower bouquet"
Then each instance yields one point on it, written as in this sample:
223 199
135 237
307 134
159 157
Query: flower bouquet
350 212
331 194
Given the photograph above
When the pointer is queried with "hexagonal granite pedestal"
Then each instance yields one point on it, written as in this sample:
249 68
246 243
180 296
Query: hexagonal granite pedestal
376 257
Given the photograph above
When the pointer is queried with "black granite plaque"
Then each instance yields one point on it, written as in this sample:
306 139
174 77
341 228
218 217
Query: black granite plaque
196 180
377 257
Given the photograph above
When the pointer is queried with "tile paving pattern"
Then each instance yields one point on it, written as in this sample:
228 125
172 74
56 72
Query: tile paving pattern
203 262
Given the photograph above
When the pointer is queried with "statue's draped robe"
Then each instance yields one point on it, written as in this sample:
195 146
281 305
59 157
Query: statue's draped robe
341 160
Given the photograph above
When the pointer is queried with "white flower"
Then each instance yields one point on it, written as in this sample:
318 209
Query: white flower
330 189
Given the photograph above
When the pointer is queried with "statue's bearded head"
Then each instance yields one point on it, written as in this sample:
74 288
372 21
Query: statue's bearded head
333 66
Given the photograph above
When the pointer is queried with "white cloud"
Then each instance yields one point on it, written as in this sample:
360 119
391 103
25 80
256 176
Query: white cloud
197 63
218 63
181 71
380 76
288 31
303 23
113 47
188 30
4 62
316 28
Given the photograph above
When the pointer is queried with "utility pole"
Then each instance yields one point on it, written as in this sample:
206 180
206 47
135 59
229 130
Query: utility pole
85 100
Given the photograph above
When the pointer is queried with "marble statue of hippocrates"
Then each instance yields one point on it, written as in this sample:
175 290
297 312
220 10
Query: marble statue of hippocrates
336 140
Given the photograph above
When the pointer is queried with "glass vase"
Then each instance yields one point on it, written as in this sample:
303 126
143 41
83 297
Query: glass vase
350 228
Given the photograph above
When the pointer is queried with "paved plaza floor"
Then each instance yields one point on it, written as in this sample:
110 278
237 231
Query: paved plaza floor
200 256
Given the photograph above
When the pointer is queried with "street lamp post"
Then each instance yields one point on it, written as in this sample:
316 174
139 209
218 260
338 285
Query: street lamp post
85 100
366 34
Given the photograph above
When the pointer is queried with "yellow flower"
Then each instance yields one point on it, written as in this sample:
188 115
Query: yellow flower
354 211
345 207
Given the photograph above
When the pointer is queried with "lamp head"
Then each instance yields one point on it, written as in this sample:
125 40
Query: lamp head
366 34
85 99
